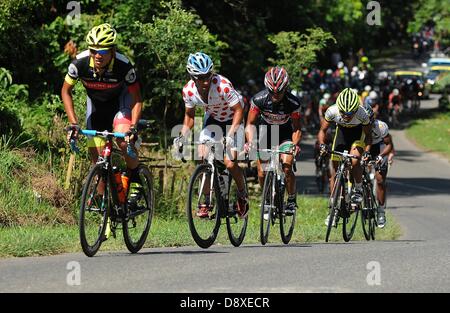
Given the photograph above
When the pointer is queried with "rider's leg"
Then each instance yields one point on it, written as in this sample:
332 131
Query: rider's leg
235 171
357 173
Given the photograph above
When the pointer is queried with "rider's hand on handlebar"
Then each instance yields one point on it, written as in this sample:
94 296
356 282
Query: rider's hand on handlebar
229 142
72 132
324 149
366 156
379 159
248 146
131 134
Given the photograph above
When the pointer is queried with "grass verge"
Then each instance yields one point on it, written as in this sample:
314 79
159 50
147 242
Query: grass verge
432 133
54 239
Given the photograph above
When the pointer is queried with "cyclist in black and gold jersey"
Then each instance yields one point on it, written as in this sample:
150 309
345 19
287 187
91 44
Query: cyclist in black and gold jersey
353 133
113 93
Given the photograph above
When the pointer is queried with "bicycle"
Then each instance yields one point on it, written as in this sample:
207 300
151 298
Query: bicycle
211 186
369 204
272 203
104 206
339 203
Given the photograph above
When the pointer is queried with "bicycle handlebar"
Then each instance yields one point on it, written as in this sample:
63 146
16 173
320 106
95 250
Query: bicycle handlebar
346 155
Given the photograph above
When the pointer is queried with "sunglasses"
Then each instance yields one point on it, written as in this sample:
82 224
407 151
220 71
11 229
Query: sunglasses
101 52
346 114
202 77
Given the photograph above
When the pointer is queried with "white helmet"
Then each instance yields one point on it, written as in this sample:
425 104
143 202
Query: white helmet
340 64
326 96
354 69
373 95
329 71
367 88
395 92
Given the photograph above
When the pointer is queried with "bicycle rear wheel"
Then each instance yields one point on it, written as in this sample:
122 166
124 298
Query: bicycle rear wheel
267 207
202 207
236 226
94 211
139 208
287 222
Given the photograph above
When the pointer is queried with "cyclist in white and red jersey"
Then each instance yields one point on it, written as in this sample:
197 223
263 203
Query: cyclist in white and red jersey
223 110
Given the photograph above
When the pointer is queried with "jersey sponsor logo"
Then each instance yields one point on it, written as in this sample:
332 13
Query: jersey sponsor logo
275 118
99 85
73 71
131 76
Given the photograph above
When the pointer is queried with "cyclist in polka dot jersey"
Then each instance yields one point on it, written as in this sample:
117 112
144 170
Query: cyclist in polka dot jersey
224 110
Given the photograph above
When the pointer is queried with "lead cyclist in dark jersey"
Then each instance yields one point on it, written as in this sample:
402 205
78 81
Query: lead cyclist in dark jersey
113 93
278 113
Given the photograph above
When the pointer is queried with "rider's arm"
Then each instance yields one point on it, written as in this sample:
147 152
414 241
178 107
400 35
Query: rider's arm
367 129
66 96
388 148
136 108
324 125
296 131
250 128
238 115
188 122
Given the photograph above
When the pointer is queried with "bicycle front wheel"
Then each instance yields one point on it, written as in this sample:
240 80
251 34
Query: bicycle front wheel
94 211
236 226
202 207
366 212
334 205
267 207
287 222
139 208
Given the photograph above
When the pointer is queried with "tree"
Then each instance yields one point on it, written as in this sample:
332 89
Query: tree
436 12
296 51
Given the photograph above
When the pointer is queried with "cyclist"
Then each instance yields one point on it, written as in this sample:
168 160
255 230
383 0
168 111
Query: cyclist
353 133
223 109
113 93
395 102
382 147
277 111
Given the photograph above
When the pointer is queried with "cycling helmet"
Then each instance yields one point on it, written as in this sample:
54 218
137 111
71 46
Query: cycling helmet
395 92
347 101
329 71
373 95
199 64
326 96
369 111
276 79
340 64
103 35
367 88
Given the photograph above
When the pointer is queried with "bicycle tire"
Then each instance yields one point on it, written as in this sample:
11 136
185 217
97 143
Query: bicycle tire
235 234
284 219
88 249
264 230
349 219
333 205
203 241
373 221
366 212
148 198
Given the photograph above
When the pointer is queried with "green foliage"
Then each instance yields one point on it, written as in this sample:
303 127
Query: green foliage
296 51
167 42
436 11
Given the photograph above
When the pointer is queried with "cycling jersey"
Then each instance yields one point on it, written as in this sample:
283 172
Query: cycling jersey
348 133
108 86
379 131
359 118
222 97
108 95
275 113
